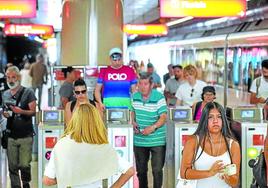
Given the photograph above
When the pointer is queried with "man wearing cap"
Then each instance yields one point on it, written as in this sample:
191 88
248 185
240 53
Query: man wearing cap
155 76
116 82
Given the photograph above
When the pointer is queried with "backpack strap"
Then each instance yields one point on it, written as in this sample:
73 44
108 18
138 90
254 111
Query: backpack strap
258 83
72 105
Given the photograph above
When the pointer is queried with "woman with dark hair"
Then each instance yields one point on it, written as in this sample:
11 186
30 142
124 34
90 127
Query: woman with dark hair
210 150
81 97
208 95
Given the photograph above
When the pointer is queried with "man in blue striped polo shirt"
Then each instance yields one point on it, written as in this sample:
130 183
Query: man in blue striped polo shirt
149 113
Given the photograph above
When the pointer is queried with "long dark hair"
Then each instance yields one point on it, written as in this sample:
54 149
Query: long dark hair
202 129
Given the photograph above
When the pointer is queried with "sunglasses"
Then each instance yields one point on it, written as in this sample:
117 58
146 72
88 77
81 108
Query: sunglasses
116 57
192 93
80 92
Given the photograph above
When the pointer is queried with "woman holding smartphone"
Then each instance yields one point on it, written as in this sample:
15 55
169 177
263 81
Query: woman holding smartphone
209 153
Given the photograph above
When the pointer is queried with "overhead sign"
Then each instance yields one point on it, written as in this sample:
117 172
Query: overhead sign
17 8
29 29
203 8
146 29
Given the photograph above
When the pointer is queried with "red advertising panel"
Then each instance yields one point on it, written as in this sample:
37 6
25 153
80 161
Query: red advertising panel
184 139
59 75
29 29
204 8
258 140
17 8
50 142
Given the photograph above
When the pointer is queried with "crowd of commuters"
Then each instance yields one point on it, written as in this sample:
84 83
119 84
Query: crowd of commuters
132 87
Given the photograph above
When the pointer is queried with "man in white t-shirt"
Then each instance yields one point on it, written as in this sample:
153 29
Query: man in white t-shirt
189 92
259 86
259 95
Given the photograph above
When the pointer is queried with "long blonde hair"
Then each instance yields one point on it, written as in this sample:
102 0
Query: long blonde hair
86 125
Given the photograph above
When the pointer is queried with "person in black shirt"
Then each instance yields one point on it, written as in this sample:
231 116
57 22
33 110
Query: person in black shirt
19 107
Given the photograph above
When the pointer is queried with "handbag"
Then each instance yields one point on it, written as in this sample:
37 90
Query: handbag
4 138
186 183
259 171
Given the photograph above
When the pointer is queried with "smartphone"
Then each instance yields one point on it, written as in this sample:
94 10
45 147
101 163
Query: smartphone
230 169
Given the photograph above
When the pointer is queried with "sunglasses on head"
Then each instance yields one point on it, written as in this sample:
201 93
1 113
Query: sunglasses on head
116 57
80 92
192 93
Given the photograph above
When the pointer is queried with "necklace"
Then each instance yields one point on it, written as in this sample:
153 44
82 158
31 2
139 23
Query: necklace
212 144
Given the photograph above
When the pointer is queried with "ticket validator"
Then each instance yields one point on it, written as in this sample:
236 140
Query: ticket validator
50 129
120 135
184 127
249 128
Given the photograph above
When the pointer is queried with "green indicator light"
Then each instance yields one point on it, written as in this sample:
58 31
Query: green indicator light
252 152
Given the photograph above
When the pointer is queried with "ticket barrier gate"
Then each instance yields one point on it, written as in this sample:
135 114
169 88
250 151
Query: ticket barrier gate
120 135
250 130
50 129
183 128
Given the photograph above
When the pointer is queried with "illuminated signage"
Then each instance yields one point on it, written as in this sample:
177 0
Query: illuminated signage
17 9
28 29
203 8
146 29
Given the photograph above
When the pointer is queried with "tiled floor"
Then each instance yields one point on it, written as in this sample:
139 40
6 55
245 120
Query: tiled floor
5 181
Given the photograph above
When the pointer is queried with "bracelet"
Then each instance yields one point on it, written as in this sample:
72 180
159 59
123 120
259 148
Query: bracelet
186 172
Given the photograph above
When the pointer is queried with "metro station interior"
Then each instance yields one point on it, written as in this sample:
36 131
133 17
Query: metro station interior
227 48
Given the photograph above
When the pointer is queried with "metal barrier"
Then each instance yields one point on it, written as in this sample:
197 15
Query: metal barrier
50 129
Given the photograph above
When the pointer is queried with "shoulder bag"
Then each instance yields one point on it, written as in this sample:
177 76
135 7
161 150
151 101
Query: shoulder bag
185 183
259 171
6 132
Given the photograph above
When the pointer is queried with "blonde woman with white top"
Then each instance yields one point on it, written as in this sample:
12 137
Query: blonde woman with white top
207 155
83 156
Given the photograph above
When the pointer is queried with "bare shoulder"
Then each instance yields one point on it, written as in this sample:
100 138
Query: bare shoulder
191 141
235 146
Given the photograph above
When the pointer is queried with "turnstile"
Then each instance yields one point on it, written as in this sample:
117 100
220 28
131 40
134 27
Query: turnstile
50 129
250 131
120 135
180 127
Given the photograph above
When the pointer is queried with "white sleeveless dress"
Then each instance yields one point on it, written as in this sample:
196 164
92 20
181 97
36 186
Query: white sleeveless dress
204 162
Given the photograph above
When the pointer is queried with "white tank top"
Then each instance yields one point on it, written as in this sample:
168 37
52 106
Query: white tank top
204 162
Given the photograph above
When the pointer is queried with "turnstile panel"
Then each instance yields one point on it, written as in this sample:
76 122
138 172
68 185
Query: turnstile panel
253 135
182 133
121 138
47 138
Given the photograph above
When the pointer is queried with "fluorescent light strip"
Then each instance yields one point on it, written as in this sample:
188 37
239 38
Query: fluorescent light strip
178 21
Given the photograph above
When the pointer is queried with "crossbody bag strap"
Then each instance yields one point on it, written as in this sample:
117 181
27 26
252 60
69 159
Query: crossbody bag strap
18 100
